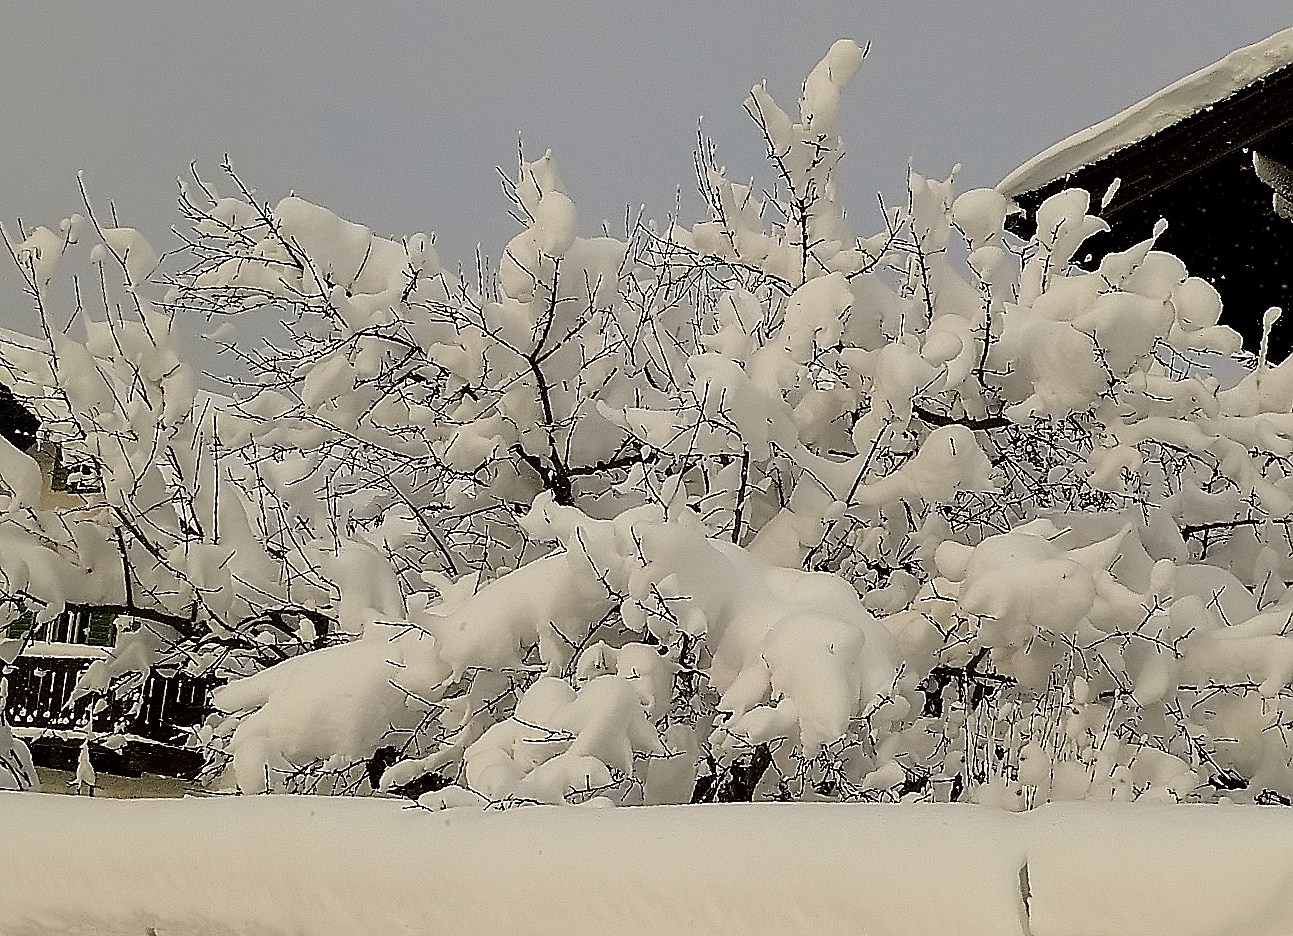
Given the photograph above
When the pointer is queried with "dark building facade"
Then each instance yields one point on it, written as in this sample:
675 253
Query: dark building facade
1221 178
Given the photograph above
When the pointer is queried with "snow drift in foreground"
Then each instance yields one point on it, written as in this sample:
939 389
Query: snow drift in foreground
358 866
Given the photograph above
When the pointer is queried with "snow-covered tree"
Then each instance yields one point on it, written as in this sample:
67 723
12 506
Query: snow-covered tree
754 508
151 536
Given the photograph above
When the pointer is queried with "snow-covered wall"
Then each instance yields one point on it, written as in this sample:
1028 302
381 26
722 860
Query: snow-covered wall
287 865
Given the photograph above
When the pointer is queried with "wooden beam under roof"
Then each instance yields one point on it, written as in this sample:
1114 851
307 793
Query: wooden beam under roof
1258 116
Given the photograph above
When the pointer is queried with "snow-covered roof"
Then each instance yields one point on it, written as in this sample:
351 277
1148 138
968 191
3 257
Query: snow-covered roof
24 368
1197 92
22 355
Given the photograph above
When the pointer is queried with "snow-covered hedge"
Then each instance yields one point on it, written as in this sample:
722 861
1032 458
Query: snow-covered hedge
754 508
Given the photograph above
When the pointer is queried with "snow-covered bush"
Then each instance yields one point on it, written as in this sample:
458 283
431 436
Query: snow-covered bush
754 508
157 530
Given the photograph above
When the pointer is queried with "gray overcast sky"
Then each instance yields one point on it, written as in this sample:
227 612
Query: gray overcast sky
395 114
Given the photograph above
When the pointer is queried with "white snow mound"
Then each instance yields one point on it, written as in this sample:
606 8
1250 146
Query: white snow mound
296 865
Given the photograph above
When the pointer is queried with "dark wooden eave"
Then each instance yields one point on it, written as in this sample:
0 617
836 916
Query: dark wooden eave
1258 116
1198 174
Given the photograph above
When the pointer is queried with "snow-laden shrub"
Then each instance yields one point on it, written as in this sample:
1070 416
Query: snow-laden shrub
754 508
156 529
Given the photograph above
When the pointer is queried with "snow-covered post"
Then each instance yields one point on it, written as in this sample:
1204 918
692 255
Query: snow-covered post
85 781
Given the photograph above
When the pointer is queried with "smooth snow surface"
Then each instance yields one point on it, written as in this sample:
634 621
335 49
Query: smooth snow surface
1133 870
1198 91
280 865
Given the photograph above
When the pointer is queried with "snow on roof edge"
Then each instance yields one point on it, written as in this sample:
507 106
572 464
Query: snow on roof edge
1202 89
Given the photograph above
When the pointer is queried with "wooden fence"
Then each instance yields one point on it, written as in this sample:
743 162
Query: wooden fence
40 688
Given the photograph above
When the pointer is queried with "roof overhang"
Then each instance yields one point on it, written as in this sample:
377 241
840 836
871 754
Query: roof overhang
1243 102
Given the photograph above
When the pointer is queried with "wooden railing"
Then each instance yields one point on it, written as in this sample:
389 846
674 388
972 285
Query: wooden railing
40 688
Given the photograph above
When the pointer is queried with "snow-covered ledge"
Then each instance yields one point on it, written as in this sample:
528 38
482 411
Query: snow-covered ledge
269 865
